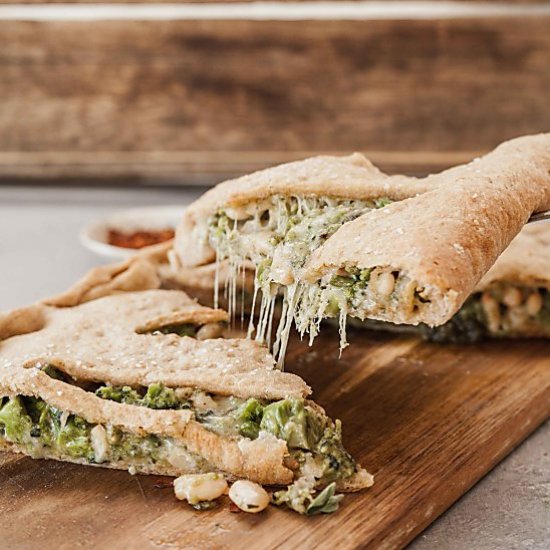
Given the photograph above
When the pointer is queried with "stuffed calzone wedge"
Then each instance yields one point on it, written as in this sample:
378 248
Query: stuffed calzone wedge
336 234
143 381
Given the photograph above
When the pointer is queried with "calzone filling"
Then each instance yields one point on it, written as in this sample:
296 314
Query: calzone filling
500 311
316 453
279 235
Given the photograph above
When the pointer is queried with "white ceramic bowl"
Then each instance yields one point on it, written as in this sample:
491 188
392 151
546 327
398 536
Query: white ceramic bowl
94 236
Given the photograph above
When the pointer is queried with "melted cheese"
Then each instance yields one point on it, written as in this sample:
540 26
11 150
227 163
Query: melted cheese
279 235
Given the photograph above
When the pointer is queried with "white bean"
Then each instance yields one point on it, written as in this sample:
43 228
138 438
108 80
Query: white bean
100 443
195 488
237 213
534 304
512 297
491 307
208 331
180 458
249 496
202 401
385 283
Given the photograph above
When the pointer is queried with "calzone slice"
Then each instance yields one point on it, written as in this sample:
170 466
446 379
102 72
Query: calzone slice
143 381
339 236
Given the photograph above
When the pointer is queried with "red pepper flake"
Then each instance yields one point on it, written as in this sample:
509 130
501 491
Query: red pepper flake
162 484
138 239
233 508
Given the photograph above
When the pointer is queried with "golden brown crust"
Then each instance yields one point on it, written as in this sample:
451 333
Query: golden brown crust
148 269
261 459
98 341
21 320
526 262
106 339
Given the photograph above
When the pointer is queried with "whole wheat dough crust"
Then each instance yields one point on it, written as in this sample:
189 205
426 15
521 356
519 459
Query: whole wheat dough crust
445 234
103 340
128 275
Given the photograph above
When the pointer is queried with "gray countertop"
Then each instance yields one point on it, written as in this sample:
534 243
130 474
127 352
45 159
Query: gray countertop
40 255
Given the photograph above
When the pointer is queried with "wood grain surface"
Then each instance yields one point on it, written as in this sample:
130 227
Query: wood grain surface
427 420
166 100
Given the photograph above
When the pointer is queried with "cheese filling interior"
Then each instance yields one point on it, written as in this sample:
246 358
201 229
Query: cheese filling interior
502 310
279 235
316 452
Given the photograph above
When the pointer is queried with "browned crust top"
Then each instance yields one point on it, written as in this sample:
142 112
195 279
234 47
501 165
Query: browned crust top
103 340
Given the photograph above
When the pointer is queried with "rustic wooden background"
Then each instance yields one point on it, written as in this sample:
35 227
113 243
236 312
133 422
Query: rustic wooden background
194 101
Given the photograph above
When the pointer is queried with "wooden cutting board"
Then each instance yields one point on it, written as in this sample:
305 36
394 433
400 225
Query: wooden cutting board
427 420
